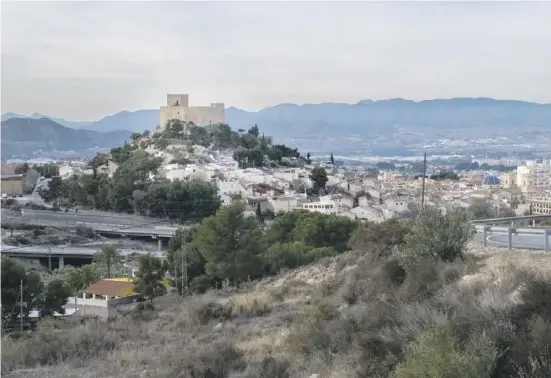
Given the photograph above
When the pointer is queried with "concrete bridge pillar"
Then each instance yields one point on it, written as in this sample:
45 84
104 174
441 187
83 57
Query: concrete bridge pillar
159 244
61 262
511 230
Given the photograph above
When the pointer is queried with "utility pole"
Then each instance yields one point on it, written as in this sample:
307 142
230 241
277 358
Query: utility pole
175 272
184 268
50 258
423 185
21 306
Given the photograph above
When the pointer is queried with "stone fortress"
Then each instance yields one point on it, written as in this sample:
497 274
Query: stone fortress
177 107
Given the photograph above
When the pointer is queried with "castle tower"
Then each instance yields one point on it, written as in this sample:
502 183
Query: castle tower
177 108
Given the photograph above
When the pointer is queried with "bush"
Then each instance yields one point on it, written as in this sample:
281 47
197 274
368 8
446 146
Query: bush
20 239
202 283
437 354
269 367
380 239
85 232
204 312
213 361
49 346
437 236
252 304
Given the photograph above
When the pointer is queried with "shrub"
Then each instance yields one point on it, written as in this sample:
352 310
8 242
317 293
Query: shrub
437 354
252 304
269 367
213 361
436 235
380 239
48 345
20 239
86 232
204 312
202 283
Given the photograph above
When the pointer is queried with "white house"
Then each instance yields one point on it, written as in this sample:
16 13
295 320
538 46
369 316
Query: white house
328 207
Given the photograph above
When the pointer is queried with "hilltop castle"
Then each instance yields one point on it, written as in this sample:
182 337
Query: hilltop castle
177 107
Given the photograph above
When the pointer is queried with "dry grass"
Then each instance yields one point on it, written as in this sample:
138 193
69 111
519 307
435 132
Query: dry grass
346 318
255 303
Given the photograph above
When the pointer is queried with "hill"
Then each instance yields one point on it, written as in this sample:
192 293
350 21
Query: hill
319 321
135 121
391 116
61 121
387 127
24 136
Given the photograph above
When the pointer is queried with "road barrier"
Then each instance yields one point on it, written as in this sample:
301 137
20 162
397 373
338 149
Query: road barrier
486 231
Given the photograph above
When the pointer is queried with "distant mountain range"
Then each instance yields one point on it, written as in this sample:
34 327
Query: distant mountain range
364 117
397 121
21 137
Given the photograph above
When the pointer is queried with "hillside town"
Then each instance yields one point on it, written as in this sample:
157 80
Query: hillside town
354 193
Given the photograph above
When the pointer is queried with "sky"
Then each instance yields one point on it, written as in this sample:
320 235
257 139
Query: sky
85 60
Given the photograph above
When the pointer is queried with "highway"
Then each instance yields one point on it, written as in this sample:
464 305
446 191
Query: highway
524 238
121 224
519 241
90 217
65 250
55 250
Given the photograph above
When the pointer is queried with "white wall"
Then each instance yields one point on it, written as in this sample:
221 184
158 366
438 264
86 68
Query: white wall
321 207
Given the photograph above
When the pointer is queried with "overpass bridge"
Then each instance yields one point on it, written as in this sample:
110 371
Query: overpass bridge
103 222
58 256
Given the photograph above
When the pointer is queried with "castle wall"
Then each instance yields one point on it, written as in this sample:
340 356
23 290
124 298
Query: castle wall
200 115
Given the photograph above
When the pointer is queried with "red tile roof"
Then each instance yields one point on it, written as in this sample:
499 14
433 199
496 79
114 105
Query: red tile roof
111 288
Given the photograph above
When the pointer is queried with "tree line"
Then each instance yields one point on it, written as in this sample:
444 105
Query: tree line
233 247
131 190
24 291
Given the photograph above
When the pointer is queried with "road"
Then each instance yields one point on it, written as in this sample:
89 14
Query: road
88 217
519 241
64 250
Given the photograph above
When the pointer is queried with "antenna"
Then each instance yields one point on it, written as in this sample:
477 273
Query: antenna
423 185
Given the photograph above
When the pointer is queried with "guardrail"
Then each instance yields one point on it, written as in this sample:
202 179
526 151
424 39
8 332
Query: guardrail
512 219
486 231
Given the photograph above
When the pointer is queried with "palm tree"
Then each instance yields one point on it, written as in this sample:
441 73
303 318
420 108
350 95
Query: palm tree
108 256
89 274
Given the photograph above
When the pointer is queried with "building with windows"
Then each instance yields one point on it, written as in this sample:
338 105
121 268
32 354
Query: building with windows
325 207
541 204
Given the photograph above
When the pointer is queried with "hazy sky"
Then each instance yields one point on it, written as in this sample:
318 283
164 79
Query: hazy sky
85 60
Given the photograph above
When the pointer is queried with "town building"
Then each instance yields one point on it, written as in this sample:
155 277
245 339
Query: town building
541 204
12 185
105 296
177 108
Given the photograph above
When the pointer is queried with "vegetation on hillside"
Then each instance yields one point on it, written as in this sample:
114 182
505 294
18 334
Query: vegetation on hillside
369 312
234 247
134 187
131 189
251 149
47 298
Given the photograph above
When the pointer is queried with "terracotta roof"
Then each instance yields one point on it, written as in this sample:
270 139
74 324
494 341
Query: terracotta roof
112 288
